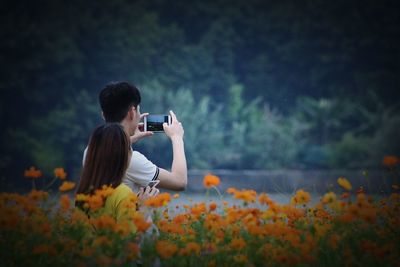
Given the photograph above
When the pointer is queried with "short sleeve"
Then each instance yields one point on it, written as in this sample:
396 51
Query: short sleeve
140 171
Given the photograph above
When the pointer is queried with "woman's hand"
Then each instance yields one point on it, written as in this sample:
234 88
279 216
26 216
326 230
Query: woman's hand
147 192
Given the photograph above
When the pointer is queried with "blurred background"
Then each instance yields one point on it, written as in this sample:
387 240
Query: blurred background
259 85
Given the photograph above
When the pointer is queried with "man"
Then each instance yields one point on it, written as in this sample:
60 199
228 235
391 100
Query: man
120 102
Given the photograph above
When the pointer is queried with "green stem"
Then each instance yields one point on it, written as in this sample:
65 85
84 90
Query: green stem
219 193
50 184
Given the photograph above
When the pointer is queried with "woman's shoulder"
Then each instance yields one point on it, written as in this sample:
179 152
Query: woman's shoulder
120 192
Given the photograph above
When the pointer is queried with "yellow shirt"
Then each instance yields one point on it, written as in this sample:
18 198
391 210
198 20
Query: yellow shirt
119 206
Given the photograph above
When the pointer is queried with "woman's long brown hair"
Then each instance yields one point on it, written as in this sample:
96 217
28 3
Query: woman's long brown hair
106 158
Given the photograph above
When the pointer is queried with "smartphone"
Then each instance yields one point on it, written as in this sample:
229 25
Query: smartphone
154 123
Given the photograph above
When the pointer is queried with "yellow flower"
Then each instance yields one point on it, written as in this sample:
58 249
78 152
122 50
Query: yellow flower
33 173
343 182
60 173
210 180
166 249
66 186
81 197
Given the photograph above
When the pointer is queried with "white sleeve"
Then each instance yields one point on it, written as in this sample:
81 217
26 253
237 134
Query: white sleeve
140 171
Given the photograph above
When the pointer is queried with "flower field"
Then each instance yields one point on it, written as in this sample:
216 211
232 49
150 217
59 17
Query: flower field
346 227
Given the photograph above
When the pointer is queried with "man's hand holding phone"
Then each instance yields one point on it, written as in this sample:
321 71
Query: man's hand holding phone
175 129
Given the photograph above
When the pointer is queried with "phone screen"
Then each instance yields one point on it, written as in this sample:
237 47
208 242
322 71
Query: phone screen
154 123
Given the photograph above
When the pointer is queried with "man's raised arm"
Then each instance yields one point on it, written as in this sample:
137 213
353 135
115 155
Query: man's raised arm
176 179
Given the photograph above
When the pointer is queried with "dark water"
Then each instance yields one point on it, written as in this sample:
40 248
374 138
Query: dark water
283 182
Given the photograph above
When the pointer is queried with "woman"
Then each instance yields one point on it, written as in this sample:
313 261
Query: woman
107 158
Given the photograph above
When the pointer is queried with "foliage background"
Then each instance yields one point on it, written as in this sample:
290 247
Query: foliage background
257 84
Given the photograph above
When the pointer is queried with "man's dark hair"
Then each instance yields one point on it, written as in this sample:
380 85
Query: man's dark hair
116 99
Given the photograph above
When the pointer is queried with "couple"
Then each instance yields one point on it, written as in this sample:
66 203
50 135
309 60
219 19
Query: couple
110 160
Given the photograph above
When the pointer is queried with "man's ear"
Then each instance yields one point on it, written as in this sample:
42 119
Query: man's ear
132 113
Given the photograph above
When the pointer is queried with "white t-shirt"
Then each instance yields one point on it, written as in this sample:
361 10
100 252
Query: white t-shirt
139 173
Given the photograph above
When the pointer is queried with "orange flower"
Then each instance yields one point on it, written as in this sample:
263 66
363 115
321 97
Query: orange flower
190 248
329 198
141 223
198 209
166 249
176 196
210 180
345 195
301 197
101 241
44 249
390 161
95 202
360 190
133 250
343 182
33 173
65 202
231 190
60 173
104 222
212 206
237 243
245 195
158 201
38 195
66 186
105 191
265 199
